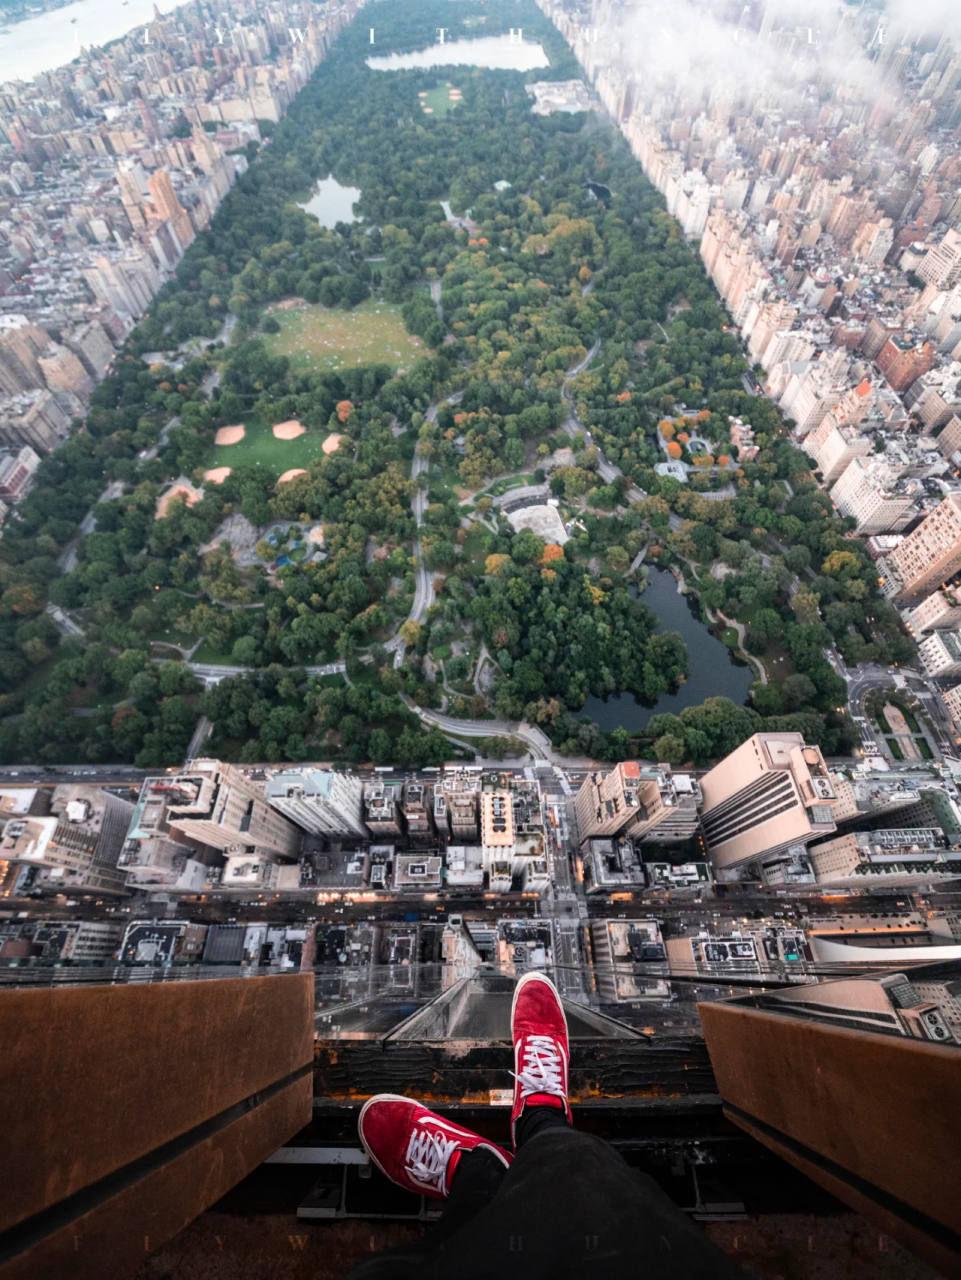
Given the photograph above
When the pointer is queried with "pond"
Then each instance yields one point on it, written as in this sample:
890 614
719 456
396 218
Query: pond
496 53
713 671
331 203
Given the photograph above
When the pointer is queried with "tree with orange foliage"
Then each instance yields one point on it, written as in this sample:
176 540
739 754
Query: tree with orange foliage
344 409
552 552
624 398
683 437
722 459
494 564
666 428
674 450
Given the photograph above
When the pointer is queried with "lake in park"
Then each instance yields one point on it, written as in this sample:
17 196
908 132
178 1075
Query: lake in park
712 673
331 203
496 53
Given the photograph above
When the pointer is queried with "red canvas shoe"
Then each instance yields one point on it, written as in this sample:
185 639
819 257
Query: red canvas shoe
414 1147
539 1031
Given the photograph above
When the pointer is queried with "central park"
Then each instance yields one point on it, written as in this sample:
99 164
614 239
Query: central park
435 420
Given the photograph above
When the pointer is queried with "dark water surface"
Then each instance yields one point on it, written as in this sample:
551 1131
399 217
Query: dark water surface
712 670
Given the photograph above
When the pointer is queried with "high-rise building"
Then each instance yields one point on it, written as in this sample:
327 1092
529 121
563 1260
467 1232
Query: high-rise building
382 808
74 848
771 793
834 447
209 805
169 208
896 856
942 264
63 372
949 439
940 652
873 494
322 801
16 474
214 803
929 554
456 798
91 343
901 360
417 810
640 801
940 611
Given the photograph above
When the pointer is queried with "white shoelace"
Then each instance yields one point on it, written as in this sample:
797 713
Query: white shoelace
542 1070
427 1157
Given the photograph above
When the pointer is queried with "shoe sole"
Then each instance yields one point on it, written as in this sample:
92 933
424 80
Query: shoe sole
536 976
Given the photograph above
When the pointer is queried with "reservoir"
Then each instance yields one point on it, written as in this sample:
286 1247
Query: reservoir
331 203
496 53
712 670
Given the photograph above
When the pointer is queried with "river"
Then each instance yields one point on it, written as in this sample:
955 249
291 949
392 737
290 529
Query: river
713 671
53 39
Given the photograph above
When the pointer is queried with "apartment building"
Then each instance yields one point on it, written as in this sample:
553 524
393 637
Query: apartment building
942 264
643 802
417 810
929 554
456 805
179 818
898 856
952 700
75 847
321 801
834 447
16 474
382 808
873 494
940 611
940 652
771 793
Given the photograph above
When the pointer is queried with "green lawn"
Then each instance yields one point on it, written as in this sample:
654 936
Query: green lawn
320 340
439 101
894 748
911 720
260 448
207 653
925 748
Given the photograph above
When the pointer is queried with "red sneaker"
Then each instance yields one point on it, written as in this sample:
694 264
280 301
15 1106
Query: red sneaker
414 1147
539 1031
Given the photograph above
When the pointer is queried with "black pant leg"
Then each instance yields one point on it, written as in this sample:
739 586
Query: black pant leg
571 1208
476 1182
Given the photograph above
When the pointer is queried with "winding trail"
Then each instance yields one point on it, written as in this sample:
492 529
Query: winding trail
424 583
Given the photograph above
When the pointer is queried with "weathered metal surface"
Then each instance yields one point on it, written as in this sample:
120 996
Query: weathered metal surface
110 1089
108 1242
465 1072
874 1119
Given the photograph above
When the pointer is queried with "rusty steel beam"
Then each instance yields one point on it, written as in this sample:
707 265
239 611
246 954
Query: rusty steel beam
874 1119
131 1109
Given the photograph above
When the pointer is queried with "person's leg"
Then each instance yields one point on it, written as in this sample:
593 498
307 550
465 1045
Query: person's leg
569 1206
428 1155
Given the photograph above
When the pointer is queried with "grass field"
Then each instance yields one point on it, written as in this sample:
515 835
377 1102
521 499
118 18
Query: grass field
260 448
320 340
439 101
